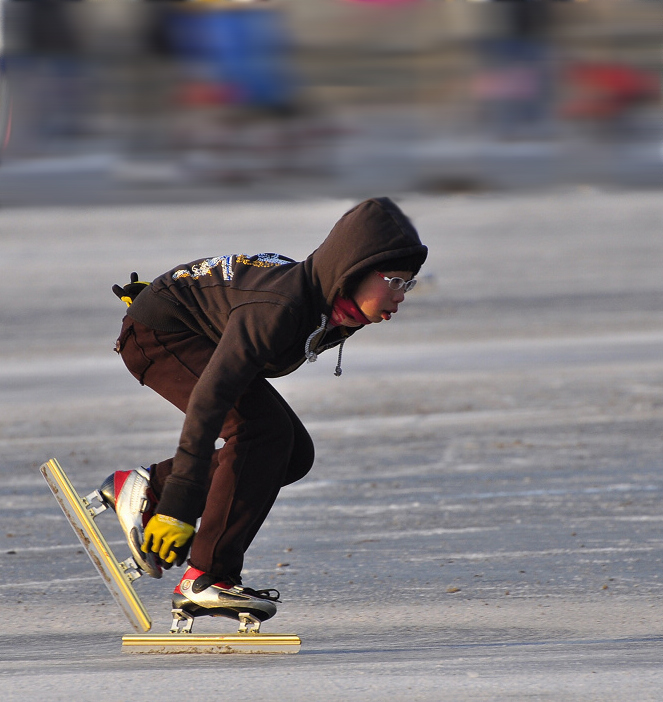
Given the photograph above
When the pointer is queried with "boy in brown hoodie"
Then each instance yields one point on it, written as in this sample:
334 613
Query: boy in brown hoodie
206 336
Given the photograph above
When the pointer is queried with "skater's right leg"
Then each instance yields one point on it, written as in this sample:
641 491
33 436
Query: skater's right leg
174 368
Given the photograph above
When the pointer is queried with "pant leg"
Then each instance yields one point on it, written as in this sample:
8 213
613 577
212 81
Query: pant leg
266 445
264 449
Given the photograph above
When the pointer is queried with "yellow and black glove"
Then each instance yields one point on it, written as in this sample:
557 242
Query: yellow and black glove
130 291
169 538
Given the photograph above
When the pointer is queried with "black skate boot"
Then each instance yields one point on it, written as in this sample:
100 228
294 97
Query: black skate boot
128 493
201 594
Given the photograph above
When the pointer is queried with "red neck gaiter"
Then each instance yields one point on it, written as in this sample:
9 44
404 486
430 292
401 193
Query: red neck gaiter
346 313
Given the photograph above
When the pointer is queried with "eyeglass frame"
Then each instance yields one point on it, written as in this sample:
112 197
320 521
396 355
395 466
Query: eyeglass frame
407 284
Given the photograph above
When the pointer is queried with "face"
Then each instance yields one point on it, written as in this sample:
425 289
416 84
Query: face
376 299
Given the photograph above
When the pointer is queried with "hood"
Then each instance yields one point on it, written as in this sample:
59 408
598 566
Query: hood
372 232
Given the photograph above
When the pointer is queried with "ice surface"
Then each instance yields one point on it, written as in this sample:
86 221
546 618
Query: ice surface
483 520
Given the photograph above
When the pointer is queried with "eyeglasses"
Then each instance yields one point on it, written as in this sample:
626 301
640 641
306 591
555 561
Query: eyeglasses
397 283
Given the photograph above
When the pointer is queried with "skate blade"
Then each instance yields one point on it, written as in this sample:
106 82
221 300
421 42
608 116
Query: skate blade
117 577
211 643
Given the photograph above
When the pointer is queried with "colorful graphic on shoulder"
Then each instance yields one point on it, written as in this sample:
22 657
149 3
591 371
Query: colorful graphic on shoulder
205 268
263 260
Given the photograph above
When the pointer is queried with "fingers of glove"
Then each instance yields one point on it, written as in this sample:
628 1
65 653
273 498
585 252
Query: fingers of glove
182 552
164 533
152 537
175 547
134 277
166 553
129 292
171 559
133 289
138 287
150 543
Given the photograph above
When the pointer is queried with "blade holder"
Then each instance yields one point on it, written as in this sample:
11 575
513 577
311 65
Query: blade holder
95 503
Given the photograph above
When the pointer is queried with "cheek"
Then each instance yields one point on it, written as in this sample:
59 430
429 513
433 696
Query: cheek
369 292
379 297
380 302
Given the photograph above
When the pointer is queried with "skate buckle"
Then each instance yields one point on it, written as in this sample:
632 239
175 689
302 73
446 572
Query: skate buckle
131 569
248 624
182 622
95 503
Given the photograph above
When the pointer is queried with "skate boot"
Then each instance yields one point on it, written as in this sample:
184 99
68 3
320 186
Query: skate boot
200 594
128 493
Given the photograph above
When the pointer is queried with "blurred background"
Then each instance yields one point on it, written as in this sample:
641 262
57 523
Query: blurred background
118 101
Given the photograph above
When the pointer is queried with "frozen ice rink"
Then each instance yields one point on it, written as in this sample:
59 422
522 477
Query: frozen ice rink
484 518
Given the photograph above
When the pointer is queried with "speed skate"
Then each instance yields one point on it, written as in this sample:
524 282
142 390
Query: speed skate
120 576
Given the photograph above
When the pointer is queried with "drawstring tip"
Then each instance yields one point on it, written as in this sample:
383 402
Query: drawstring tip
339 370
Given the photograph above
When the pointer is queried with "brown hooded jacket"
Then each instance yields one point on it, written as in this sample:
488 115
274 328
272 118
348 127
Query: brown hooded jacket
267 314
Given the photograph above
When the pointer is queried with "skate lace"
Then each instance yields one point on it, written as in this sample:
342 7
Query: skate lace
202 582
270 594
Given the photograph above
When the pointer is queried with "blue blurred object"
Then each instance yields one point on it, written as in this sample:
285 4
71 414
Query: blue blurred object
244 49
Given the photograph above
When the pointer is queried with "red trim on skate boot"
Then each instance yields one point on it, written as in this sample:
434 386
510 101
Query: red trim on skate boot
192 574
119 479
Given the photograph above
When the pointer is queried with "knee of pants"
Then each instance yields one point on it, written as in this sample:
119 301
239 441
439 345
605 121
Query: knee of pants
301 460
272 437
278 430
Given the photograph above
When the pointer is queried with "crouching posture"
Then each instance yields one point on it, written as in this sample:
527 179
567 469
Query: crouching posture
206 336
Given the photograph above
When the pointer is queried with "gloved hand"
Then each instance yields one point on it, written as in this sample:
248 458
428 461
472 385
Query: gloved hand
130 291
168 537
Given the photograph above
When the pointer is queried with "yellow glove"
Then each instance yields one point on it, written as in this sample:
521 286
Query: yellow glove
130 291
166 536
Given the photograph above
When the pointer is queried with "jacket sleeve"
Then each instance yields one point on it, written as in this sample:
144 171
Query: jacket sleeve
256 334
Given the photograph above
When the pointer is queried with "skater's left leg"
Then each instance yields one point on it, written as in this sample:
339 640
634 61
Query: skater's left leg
300 463
266 447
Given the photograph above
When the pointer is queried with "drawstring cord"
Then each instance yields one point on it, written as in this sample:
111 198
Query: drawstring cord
312 356
339 370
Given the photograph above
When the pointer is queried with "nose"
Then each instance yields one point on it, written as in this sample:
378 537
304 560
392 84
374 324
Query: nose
399 296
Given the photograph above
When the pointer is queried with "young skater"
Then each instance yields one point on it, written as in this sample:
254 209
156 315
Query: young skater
206 336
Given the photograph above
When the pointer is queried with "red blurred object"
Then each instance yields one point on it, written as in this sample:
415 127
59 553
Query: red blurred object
601 91
200 94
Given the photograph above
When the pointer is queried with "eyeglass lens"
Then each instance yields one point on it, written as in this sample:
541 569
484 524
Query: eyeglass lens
398 283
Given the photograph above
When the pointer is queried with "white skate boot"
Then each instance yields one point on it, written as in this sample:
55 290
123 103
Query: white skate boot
199 594
128 493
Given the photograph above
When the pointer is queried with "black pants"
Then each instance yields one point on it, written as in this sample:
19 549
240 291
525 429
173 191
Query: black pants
266 445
